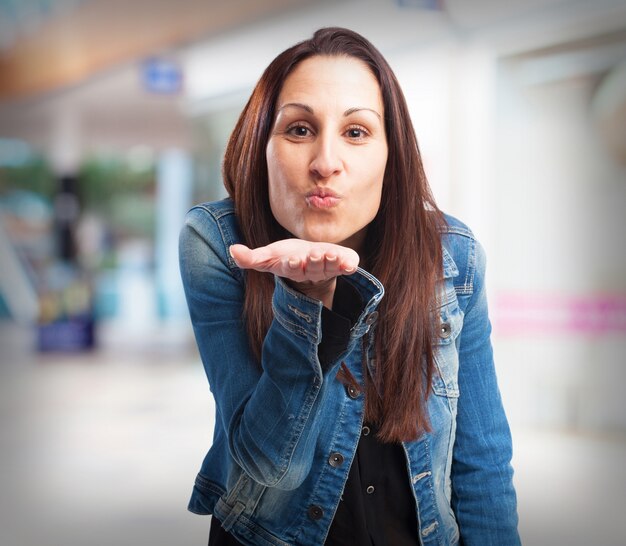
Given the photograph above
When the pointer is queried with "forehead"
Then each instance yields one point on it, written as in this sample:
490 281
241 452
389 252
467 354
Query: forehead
344 80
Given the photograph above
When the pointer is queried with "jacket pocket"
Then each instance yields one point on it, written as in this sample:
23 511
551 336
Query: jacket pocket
449 321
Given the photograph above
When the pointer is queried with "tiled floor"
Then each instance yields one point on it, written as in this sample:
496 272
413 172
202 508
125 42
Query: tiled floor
103 448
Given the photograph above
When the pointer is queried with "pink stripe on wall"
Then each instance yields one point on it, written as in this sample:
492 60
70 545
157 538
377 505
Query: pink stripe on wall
517 313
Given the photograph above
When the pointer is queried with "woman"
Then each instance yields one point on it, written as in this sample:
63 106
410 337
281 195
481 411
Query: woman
342 416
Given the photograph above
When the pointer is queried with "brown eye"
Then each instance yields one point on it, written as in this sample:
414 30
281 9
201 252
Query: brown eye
299 131
356 133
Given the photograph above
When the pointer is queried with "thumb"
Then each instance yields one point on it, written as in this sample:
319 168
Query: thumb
242 255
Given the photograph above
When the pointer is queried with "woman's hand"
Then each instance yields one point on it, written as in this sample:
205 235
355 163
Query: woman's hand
311 268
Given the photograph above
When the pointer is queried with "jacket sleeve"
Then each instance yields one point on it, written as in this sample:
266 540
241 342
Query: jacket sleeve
269 410
483 496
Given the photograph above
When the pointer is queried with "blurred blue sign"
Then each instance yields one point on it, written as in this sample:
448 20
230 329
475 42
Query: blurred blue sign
162 76
436 5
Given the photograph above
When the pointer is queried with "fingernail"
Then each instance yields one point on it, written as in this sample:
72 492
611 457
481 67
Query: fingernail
294 263
315 259
330 258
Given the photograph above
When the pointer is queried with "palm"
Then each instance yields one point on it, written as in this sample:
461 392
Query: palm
298 260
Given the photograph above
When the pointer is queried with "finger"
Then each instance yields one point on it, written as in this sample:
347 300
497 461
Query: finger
332 265
347 258
292 268
314 266
348 261
294 263
348 266
339 267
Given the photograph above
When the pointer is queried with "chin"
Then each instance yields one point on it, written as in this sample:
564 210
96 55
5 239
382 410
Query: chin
321 237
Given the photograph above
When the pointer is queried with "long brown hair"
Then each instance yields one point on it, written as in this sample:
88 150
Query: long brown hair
402 247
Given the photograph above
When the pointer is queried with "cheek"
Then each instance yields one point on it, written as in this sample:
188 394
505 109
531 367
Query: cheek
280 170
277 199
373 202
373 174
280 193
275 178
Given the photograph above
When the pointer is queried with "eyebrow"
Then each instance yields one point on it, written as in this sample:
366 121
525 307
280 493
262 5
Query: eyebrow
310 110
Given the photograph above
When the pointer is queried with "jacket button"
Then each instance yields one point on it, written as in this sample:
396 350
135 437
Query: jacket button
315 512
370 489
371 318
365 430
353 392
335 460
445 330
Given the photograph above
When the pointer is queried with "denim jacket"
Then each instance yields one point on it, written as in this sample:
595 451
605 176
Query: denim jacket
286 430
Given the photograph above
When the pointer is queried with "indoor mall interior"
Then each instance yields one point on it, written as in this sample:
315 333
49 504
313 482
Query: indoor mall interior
114 117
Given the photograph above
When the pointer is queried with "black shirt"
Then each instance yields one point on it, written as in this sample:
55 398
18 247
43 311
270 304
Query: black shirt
377 506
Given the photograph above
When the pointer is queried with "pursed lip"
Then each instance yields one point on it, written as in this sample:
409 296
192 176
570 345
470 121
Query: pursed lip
322 198
322 192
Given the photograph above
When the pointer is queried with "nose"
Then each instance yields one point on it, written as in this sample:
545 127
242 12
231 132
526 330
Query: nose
326 159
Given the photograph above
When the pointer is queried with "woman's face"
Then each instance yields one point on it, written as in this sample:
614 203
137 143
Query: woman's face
327 152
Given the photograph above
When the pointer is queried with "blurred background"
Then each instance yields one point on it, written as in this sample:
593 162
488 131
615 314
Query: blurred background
113 121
